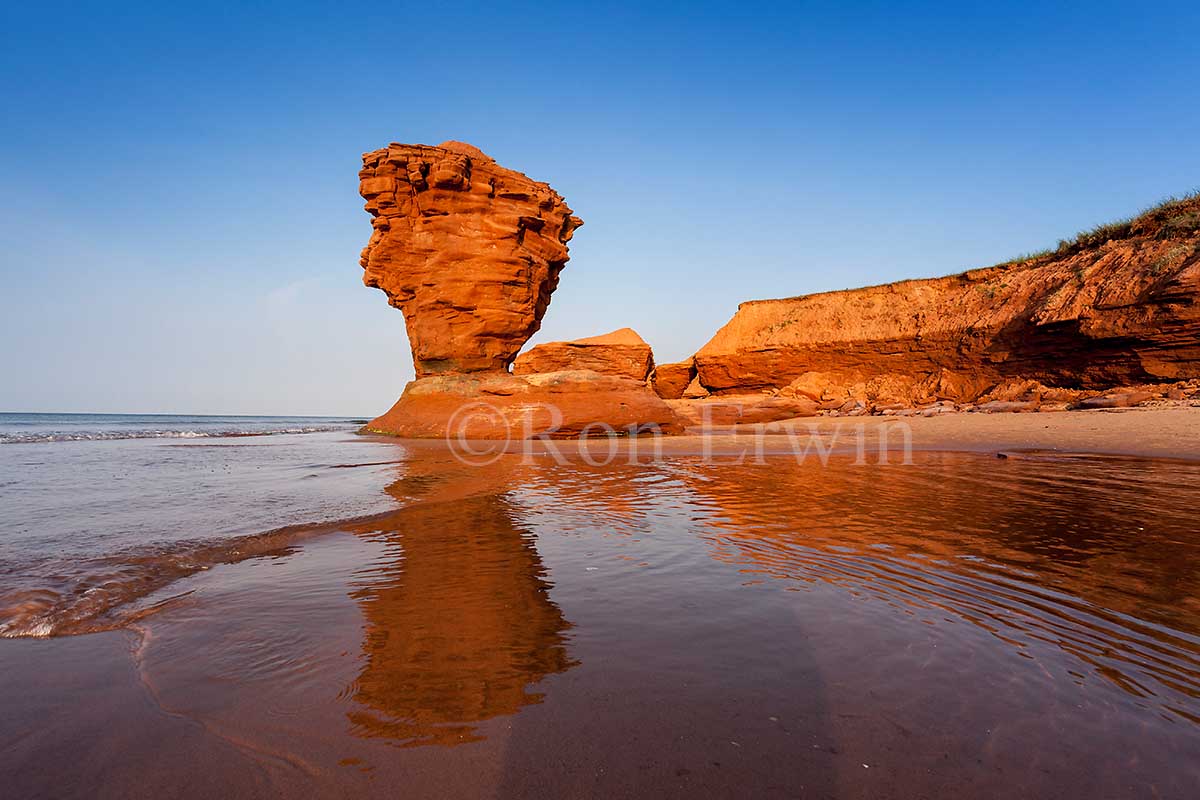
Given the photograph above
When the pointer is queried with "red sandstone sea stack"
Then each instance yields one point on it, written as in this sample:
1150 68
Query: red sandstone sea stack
468 250
471 252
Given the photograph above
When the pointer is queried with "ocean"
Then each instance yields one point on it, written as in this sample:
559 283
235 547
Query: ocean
39 428
101 508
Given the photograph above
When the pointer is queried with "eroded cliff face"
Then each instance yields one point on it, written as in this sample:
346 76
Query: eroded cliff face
468 250
1090 317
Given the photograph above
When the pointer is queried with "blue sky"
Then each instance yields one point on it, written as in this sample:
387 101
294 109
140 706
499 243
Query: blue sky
179 217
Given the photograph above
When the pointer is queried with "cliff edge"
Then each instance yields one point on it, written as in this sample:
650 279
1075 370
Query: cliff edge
1117 306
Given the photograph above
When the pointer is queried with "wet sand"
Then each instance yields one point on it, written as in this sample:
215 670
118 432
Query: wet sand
959 626
1160 433
1144 432
1149 432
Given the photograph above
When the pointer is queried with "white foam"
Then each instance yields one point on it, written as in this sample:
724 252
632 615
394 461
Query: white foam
98 436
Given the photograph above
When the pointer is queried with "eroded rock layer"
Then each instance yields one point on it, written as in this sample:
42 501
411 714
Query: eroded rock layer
670 381
1092 316
468 250
497 405
621 352
471 252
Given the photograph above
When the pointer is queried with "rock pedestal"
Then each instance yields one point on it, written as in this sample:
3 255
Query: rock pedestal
471 251
468 250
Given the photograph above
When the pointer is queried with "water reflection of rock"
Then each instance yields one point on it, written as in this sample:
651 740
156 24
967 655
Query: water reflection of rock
459 627
1091 555
1103 530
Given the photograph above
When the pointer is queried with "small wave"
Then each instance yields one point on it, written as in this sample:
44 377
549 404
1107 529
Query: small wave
109 592
97 436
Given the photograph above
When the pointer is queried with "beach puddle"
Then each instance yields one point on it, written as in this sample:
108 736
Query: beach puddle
961 626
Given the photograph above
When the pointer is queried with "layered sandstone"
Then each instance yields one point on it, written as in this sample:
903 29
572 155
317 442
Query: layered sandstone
670 381
621 353
726 410
471 252
468 250
496 405
1110 310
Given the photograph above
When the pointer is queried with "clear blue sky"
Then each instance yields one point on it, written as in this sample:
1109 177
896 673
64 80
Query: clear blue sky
179 217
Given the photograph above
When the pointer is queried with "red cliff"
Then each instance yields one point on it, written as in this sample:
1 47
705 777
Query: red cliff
1118 306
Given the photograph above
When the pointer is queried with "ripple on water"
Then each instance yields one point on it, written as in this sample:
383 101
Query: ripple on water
1023 614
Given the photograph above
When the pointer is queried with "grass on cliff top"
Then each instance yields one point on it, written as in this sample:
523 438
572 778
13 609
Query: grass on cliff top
1178 216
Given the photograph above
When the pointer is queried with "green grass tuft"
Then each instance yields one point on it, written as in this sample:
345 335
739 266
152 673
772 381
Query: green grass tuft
1184 222
1025 258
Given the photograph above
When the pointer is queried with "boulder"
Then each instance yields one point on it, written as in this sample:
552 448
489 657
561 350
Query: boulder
670 381
694 390
621 353
741 410
1008 406
1115 400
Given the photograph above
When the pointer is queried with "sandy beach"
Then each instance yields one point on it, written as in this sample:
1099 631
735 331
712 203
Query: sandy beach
1147 432
1142 432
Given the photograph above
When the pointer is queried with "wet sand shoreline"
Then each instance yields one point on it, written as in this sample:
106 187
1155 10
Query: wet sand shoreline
674 626
1137 432
1145 432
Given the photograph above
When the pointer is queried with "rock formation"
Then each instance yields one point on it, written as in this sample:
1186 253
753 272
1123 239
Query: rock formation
458 630
1118 307
621 352
468 250
471 252
725 410
670 381
496 405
